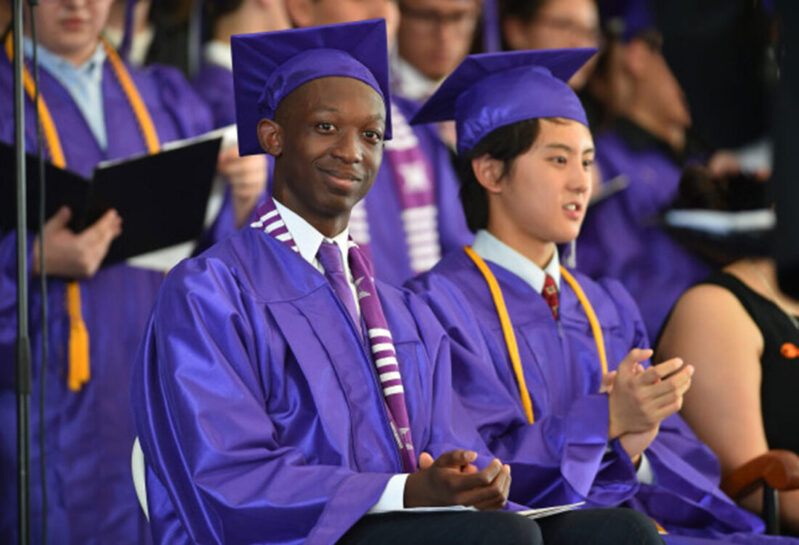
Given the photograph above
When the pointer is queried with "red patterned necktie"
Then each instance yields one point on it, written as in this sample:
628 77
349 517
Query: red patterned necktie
550 294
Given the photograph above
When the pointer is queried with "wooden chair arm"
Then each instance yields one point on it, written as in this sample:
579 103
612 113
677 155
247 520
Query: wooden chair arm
779 469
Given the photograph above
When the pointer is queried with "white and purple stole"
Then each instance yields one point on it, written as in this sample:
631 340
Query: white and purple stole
414 179
383 354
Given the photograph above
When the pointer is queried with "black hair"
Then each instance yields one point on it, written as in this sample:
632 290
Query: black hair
524 10
505 144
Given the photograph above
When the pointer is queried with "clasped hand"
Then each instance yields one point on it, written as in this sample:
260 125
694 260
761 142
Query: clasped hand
640 399
452 479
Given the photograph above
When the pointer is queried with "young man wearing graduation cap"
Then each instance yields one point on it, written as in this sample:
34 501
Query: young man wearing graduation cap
281 395
93 107
550 365
411 217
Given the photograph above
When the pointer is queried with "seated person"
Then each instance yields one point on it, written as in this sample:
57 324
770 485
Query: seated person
551 366
280 394
552 24
411 216
97 108
741 334
647 143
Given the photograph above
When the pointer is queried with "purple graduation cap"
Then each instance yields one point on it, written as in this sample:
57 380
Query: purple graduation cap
268 66
492 90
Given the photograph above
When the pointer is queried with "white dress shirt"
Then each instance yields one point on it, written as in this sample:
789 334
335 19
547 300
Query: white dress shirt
308 241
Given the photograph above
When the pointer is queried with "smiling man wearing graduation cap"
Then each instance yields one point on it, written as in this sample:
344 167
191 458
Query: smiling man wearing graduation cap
550 365
281 395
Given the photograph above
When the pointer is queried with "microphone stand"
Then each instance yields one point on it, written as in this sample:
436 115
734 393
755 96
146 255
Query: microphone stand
23 347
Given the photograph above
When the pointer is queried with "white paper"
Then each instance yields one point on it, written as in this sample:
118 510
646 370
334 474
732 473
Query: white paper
722 223
164 259
549 511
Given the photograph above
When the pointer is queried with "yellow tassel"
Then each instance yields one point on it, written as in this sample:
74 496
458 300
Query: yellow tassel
79 372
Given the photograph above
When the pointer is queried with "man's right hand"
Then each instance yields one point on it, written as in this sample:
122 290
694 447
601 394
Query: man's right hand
452 479
640 399
75 255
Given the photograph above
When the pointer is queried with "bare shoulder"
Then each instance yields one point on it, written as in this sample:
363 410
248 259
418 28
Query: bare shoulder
706 313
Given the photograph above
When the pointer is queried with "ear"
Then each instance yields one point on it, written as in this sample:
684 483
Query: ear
300 12
488 172
515 32
270 136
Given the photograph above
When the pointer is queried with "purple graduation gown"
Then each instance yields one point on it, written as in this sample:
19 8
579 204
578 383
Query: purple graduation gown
89 433
258 407
388 247
618 238
562 458
214 85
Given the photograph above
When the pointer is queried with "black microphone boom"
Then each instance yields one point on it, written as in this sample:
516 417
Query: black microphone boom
23 348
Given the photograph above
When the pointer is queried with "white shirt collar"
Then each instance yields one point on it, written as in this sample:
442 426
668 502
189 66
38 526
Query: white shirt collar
410 83
492 249
308 239
218 54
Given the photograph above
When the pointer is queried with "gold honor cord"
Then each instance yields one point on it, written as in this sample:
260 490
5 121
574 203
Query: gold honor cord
79 369
507 331
510 337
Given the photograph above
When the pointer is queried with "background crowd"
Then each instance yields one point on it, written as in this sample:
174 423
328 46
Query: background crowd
679 98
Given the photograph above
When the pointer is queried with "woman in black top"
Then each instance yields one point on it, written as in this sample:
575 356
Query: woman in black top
742 336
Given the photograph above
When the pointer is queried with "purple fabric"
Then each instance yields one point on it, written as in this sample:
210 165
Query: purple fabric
381 347
267 66
562 457
330 258
257 405
389 250
619 238
469 94
89 433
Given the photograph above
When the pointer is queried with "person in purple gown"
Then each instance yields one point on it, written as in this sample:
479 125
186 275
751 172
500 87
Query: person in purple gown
95 316
247 177
281 395
551 366
648 145
411 217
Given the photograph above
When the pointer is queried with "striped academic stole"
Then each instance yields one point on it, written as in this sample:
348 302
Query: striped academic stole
384 356
79 365
414 179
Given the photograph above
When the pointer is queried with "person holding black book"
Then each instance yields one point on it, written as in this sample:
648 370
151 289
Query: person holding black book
93 107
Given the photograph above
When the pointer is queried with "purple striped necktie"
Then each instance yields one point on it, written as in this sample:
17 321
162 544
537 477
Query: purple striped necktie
330 258
381 345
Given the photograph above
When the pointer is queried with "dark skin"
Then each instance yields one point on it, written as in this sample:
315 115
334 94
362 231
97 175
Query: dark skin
327 140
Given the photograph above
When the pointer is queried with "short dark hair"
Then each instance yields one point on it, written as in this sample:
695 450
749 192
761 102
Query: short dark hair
524 10
505 144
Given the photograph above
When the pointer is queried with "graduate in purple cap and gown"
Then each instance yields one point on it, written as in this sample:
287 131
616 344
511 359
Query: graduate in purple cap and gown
281 394
95 317
648 145
411 217
550 365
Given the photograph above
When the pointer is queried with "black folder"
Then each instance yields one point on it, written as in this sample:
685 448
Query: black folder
161 197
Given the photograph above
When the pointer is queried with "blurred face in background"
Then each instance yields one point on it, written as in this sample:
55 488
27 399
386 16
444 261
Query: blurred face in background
435 35
305 13
70 28
558 24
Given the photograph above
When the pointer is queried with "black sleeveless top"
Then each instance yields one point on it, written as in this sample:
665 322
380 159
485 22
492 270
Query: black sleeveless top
779 391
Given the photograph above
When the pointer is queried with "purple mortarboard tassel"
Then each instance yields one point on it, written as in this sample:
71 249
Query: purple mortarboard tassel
533 84
270 65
